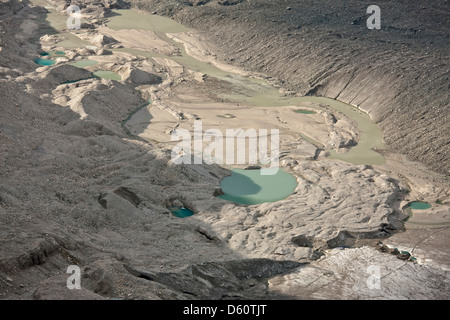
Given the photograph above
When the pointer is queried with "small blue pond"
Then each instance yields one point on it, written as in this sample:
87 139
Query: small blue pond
58 53
181 212
418 205
44 62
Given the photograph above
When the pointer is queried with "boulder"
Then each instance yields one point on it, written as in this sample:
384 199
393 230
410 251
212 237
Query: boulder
66 73
137 76
101 40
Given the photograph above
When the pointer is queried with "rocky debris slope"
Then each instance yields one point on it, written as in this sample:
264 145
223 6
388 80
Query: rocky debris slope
218 280
361 273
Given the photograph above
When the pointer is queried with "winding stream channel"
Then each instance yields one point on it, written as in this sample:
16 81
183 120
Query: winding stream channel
247 90
250 91
255 92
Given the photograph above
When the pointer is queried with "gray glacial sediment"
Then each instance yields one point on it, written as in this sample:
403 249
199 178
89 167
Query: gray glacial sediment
76 189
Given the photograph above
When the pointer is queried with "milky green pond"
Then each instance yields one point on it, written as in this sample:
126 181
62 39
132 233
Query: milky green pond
418 205
84 63
251 187
135 19
56 23
58 53
105 74
44 62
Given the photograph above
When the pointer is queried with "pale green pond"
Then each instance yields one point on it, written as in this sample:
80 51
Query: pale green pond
84 63
44 62
251 187
134 19
57 21
105 74
58 53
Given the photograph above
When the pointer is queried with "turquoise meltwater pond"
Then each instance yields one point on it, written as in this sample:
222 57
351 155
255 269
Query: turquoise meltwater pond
181 212
44 62
418 205
58 53
84 63
251 187
107 75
